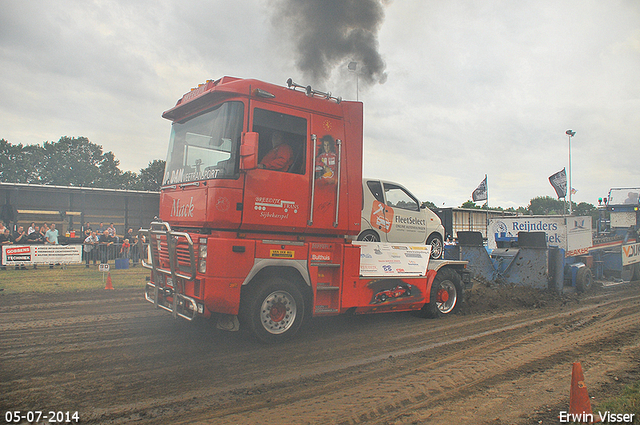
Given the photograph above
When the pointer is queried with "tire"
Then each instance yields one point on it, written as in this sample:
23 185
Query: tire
437 247
635 274
584 279
274 310
446 295
369 236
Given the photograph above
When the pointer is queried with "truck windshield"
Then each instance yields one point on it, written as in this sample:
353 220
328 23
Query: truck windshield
206 146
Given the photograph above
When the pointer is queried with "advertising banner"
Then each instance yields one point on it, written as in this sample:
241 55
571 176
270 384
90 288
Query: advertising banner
573 234
630 254
386 259
41 254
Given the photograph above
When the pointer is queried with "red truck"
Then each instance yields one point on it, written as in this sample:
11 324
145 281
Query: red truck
259 211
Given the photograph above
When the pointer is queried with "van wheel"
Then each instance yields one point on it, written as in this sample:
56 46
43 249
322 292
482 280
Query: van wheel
369 236
446 295
274 310
437 247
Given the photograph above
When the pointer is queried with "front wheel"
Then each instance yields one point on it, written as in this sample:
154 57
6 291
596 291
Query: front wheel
437 247
274 310
446 295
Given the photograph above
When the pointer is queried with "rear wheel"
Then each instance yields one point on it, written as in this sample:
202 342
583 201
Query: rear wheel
635 272
437 247
273 310
584 279
446 295
369 236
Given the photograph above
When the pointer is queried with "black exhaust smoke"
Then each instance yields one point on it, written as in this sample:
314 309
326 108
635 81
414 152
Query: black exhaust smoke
328 33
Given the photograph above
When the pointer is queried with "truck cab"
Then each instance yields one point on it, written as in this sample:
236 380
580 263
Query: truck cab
390 213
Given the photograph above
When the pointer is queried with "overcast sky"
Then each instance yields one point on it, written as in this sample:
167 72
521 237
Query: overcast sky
470 87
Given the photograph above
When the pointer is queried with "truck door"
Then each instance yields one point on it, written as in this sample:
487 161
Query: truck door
276 195
402 212
327 136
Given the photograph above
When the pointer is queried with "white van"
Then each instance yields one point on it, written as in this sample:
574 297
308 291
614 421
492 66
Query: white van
390 213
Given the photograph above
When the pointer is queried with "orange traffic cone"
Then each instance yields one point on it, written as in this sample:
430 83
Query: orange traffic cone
109 285
579 403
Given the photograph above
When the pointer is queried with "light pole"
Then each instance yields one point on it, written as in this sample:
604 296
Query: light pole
570 133
353 66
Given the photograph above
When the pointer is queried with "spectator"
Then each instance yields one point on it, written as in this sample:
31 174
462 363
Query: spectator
124 249
106 244
130 235
5 237
51 235
20 237
112 230
35 236
88 230
90 248
134 247
32 229
100 230
44 229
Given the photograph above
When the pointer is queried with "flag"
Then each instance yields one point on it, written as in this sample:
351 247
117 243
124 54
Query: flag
574 191
559 183
481 193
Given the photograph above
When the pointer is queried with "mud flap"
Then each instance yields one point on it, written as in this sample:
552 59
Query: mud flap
228 322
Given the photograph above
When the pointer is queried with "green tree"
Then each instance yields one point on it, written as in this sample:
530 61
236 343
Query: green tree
151 177
428 204
71 162
546 205
20 164
470 204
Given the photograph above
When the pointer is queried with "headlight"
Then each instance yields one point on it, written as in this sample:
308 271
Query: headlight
202 251
202 256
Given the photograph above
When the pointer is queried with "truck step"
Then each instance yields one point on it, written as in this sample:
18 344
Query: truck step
326 310
326 287
317 264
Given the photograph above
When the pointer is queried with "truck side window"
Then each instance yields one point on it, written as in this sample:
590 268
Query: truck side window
289 130
399 198
376 189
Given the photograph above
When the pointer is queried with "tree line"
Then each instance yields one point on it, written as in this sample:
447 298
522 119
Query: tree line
73 162
540 205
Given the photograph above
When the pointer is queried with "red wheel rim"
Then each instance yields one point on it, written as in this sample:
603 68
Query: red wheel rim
443 296
278 312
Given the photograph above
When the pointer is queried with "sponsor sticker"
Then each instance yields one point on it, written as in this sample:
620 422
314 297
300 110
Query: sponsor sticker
281 253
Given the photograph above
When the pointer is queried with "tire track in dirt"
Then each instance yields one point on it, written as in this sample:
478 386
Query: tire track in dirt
422 386
122 360
264 395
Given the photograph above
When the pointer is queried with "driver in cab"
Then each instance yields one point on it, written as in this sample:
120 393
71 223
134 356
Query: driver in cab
280 157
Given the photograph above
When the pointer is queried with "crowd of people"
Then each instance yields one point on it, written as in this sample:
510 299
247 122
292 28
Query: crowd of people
47 234
101 244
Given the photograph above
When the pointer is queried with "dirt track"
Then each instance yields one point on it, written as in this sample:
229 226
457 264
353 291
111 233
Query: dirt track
114 359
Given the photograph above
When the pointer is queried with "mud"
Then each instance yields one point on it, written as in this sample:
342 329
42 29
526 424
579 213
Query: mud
505 359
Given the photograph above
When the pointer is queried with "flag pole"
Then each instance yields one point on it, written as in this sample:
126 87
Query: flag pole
487 217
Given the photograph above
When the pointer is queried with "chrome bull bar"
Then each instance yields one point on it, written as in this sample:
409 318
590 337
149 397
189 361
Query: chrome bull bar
180 305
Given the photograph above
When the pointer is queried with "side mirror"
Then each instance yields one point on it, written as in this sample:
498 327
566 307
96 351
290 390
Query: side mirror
249 151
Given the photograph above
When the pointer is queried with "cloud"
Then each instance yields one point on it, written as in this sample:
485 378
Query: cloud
471 87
